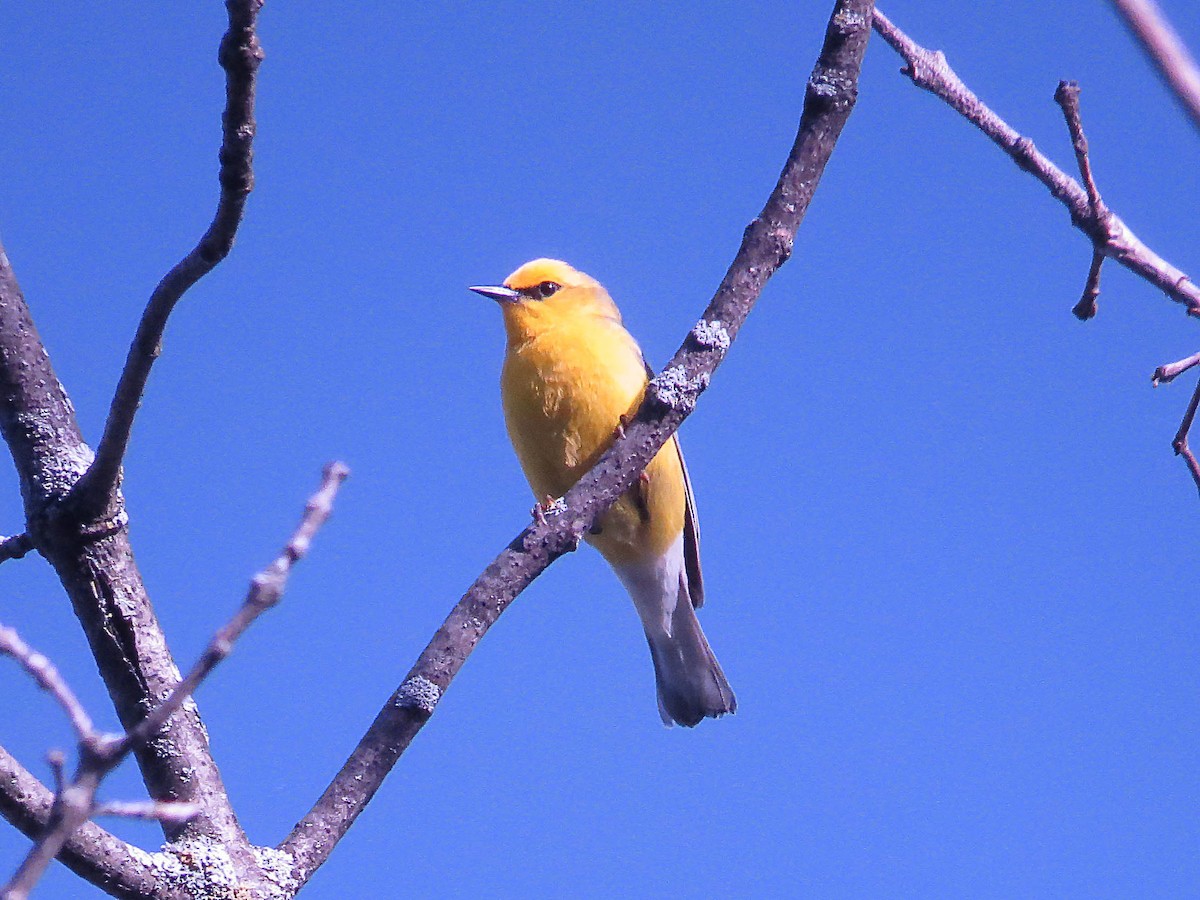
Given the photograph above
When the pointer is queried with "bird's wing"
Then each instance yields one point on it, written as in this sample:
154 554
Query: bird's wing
691 526
691 536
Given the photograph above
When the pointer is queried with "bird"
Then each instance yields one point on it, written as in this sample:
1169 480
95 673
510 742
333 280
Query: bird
572 376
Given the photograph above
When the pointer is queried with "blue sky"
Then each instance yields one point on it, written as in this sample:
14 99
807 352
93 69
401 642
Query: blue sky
947 547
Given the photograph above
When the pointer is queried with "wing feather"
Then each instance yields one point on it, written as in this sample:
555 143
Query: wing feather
691 526
691 537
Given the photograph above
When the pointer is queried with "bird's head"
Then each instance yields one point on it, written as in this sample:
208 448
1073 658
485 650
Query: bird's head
545 293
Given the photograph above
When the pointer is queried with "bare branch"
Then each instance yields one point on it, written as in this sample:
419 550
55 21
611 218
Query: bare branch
1165 50
100 577
671 396
1067 97
92 853
72 807
57 762
1085 307
265 590
37 420
1168 373
99 754
94 561
154 810
15 547
1110 236
240 55
930 71
42 671
74 800
1180 443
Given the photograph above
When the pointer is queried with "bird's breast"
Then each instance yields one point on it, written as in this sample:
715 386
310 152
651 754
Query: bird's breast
564 393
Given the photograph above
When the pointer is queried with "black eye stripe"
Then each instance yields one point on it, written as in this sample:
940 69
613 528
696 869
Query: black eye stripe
542 291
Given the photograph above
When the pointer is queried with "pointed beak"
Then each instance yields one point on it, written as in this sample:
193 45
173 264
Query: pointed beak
499 293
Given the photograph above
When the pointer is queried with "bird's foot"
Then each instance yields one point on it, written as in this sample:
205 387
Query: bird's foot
641 497
549 506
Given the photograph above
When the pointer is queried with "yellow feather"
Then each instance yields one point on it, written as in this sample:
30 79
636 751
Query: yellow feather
570 373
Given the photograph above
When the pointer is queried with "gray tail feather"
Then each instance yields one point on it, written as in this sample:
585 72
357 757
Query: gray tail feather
691 685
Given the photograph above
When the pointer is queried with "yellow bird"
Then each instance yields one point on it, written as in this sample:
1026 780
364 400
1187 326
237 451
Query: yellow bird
571 372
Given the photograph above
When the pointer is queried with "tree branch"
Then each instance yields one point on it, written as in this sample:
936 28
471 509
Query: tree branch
930 71
265 591
1166 51
1109 235
1067 97
75 800
240 55
1180 442
41 670
92 853
670 397
153 810
15 547
88 545
101 578
97 569
1168 373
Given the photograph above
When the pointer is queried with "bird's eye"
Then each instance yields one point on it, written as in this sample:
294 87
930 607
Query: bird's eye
546 289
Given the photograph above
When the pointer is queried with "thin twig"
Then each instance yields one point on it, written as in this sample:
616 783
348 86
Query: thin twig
1169 372
153 810
1067 97
42 671
239 56
15 547
930 71
265 590
1166 51
92 853
93 559
57 763
670 397
1110 236
1180 443
75 800
1085 308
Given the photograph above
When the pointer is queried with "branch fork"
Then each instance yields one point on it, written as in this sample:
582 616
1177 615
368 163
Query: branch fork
672 395
930 71
1099 222
1109 235
1165 374
74 798
99 752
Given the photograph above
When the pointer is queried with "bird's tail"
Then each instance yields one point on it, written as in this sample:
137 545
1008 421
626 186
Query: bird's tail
691 685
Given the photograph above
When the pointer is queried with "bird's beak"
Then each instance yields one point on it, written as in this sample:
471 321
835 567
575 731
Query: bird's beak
499 293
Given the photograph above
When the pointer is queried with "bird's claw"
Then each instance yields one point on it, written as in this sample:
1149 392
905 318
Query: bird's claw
548 506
